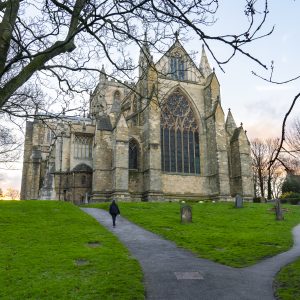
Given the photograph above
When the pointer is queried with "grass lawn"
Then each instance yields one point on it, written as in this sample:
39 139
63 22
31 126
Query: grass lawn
288 282
219 232
52 250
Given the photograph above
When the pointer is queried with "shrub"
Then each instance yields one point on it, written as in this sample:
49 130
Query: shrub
290 197
291 184
259 200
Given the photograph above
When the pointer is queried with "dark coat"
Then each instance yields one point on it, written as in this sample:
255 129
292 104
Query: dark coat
114 209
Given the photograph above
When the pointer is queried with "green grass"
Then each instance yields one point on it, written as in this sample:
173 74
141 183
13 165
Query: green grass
40 243
219 232
288 282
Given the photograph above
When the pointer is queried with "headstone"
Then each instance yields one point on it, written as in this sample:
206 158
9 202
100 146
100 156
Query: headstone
186 214
238 201
86 199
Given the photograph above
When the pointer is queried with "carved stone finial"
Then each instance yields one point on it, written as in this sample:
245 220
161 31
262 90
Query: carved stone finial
176 34
229 109
241 124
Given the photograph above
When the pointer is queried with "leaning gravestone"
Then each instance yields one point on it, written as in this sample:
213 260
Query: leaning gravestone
238 201
186 214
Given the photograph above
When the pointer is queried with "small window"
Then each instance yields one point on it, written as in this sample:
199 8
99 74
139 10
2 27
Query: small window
177 68
133 154
83 179
117 96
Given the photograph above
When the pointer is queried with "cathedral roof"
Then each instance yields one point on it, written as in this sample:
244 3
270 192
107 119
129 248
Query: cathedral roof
177 44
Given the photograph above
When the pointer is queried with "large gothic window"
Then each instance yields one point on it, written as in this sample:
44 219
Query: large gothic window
133 154
180 151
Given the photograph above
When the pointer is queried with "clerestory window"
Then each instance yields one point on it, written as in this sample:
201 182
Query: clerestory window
180 150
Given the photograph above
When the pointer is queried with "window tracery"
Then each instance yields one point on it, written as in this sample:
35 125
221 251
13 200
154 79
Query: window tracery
133 154
180 150
177 68
83 146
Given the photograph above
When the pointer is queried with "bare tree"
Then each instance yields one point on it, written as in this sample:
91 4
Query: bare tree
268 179
293 139
271 148
10 146
59 37
259 163
13 194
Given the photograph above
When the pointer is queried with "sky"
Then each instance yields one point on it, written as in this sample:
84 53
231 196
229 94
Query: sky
259 105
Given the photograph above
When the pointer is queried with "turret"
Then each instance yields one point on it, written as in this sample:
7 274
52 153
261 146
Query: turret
204 66
102 76
230 124
145 58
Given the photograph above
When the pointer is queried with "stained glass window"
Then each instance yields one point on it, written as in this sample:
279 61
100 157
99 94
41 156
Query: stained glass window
180 151
133 154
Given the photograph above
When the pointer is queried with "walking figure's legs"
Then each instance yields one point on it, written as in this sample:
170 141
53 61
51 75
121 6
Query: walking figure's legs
114 220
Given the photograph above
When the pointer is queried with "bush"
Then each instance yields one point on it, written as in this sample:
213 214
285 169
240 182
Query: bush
290 197
291 184
259 200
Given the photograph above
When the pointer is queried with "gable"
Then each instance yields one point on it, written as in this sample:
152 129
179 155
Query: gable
176 58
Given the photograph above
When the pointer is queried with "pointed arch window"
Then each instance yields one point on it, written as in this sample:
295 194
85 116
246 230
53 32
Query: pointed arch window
133 154
177 68
117 96
180 150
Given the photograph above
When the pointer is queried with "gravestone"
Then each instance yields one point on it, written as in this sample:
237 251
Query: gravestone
186 214
238 201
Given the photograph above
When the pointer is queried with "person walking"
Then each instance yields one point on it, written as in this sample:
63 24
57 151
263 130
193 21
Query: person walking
114 211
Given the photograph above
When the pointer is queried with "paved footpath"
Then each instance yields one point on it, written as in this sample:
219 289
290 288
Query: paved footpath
172 273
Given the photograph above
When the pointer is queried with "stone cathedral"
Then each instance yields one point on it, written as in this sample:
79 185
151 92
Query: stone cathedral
164 137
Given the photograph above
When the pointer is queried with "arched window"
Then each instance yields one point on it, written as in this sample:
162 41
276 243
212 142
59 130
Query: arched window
117 96
133 154
83 179
177 67
180 151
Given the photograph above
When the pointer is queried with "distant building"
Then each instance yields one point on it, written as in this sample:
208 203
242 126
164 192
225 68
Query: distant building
176 146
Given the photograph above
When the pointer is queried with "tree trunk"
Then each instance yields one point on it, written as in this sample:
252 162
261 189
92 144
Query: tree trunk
278 211
269 185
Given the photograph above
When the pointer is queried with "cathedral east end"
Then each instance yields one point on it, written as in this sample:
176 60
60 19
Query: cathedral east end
163 138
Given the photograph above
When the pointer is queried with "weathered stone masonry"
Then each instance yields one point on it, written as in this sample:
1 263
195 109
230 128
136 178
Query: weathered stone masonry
163 138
